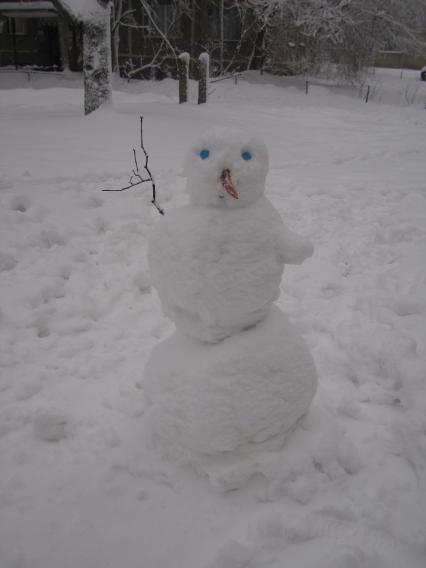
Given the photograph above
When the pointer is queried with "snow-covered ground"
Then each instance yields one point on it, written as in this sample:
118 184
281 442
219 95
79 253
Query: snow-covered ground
80 484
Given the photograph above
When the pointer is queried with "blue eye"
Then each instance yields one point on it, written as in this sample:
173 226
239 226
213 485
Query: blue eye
204 154
246 156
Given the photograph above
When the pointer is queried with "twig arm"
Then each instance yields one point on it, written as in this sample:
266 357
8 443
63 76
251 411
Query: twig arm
136 175
148 171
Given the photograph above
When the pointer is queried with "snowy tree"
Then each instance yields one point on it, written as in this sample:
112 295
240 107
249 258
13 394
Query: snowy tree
157 26
95 17
309 33
118 15
346 32
254 16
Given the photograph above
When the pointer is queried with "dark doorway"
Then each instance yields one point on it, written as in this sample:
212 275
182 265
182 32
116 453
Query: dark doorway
52 45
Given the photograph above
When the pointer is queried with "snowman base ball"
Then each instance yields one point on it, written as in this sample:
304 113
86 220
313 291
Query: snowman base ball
213 398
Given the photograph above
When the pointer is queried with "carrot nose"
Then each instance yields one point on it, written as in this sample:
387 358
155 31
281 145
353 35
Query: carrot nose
225 178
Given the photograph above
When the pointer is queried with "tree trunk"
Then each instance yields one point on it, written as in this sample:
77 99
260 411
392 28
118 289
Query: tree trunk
97 63
222 36
117 8
116 48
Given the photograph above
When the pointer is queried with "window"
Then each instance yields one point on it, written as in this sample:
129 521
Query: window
17 26
166 20
231 23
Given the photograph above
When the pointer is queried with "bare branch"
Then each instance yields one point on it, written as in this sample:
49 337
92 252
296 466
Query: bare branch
137 175
147 9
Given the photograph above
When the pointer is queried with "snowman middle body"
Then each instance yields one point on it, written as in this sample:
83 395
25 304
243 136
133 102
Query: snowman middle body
217 269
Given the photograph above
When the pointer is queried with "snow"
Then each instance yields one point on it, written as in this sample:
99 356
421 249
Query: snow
217 262
217 270
50 425
85 10
204 59
225 147
208 399
22 6
185 57
79 320
97 63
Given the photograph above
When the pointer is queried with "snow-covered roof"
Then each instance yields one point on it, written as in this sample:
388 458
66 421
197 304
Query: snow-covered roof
34 5
83 10
32 9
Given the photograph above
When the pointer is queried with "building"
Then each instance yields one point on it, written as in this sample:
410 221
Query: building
29 34
32 33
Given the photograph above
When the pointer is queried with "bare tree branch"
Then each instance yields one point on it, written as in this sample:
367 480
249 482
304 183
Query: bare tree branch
136 175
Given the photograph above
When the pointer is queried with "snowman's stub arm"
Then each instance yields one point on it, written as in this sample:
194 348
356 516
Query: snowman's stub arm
293 248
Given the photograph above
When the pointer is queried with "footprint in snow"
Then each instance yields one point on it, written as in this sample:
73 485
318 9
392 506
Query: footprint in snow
20 203
28 390
143 282
52 425
234 554
51 237
5 183
7 262
101 225
41 326
94 201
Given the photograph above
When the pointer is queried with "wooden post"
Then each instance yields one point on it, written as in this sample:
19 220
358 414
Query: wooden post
203 61
15 51
63 33
368 94
183 76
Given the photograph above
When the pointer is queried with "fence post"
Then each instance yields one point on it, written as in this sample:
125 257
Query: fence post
203 62
368 94
183 76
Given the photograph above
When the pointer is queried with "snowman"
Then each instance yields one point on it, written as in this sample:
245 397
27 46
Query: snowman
235 372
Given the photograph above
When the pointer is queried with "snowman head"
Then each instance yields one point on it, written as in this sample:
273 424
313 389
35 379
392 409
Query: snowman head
226 168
